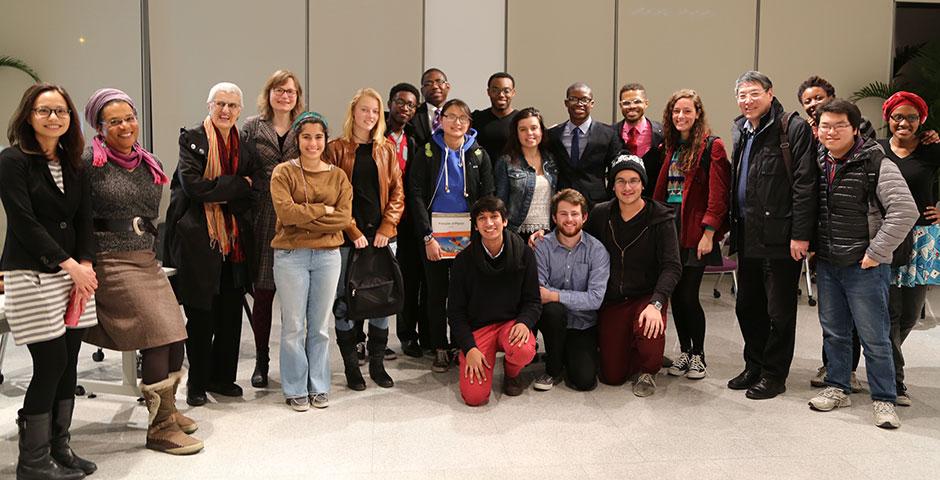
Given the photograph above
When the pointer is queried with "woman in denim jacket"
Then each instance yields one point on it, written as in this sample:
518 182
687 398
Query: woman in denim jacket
526 175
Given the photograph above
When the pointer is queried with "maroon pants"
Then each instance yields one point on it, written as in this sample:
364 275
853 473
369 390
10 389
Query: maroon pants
624 350
491 339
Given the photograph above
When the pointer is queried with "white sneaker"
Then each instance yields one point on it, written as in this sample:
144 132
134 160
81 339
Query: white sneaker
854 383
680 365
819 381
299 404
885 416
545 382
830 399
320 400
696 368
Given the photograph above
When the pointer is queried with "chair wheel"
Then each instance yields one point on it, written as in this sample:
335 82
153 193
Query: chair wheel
98 356
79 390
716 293
812 302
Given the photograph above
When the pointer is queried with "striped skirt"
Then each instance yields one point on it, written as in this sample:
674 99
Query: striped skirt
35 305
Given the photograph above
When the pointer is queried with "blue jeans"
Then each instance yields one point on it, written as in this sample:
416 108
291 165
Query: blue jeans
852 296
339 304
304 279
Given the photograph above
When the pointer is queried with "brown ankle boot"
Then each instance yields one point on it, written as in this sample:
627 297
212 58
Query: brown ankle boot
163 433
187 425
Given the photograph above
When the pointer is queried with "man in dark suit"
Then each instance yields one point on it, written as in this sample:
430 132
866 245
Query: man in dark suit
638 134
583 147
434 88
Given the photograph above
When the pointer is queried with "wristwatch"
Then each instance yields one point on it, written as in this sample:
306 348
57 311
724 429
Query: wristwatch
428 238
657 305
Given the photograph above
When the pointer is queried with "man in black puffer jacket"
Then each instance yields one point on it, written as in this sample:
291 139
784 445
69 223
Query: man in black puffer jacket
865 212
773 213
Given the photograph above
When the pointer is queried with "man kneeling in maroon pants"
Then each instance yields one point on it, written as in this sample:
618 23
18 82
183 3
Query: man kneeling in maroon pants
493 303
640 236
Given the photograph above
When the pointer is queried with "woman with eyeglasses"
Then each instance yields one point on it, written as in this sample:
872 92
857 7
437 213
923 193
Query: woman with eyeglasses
369 160
208 241
526 175
905 113
313 202
136 306
694 179
451 171
269 132
50 282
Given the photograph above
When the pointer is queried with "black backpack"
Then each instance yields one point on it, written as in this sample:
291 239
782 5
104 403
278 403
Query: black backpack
374 287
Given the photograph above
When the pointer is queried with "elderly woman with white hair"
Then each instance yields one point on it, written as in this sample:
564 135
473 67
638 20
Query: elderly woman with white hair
208 241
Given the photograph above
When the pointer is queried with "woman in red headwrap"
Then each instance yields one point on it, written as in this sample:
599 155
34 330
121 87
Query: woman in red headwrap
905 112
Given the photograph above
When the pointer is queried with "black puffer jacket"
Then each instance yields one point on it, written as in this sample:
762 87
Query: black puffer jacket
776 209
851 222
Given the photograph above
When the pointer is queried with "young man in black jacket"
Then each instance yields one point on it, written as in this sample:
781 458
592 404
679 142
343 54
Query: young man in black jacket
493 303
640 237
773 214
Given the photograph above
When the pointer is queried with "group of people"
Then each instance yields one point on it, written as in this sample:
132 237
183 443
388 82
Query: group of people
585 232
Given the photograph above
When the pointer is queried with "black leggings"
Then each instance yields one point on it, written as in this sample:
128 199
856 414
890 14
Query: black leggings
687 311
904 306
54 375
158 362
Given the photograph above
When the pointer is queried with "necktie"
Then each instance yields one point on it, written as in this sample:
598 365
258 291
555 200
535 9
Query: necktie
575 145
631 140
437 120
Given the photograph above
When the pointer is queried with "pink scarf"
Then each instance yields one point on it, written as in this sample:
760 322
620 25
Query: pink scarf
103 155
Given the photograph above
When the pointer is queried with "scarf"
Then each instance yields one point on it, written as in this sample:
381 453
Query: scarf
222 227
103 154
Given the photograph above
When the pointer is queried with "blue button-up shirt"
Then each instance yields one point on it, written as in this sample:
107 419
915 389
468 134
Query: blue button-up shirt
579 275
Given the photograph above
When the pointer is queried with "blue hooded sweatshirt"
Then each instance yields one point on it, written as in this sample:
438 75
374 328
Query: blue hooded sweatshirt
450 192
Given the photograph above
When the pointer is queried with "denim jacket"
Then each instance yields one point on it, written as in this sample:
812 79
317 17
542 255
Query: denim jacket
515 185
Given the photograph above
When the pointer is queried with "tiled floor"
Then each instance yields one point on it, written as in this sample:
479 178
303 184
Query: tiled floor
420 429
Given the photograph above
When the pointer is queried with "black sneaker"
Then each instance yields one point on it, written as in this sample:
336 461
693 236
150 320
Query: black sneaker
412 349
513 386
441 362
390 354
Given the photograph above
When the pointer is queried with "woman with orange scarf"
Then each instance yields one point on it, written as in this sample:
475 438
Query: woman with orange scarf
207 240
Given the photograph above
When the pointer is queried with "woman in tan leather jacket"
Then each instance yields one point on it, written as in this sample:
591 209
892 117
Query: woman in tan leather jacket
369 160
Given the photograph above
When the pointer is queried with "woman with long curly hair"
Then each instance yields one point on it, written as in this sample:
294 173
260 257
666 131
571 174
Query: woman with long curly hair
694 178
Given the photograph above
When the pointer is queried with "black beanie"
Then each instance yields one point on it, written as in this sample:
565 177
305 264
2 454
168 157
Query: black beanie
627 161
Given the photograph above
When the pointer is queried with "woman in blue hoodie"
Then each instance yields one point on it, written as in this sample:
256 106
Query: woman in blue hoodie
454 173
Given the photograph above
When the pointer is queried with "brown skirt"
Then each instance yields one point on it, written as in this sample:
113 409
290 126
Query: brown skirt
136 306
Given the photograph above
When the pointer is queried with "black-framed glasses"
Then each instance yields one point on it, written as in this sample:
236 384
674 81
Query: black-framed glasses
912 118
46 112
457 118
579 100
281 91
431 83
403 104
497 90
116 122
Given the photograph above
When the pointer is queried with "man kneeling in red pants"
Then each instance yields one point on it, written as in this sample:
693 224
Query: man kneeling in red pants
493 303
640 236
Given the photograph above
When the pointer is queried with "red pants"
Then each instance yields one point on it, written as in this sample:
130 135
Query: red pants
491 339
624 350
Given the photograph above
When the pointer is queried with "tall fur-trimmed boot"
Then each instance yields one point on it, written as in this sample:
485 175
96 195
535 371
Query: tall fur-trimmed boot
59 442
35 462
187 425
163 432
376 344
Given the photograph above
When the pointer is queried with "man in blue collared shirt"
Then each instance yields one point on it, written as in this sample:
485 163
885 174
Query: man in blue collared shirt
573 269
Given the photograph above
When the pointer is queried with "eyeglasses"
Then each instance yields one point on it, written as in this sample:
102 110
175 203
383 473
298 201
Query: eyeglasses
116 122
632 182
497 91
753 95
439 82
636 102
579 100
46 112
222 105
403 104
281 91
912 118
825 127
456 118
